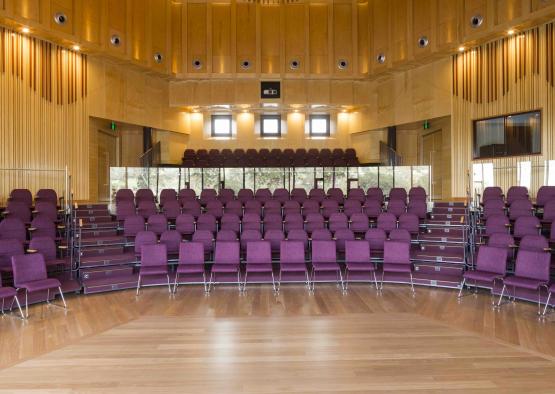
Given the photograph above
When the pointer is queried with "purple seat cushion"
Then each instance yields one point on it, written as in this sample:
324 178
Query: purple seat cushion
552 288
524 283
361 267
190 268
481 275
7 292
325 266
223 268
397 267
154 270
293 267
259 267
39 285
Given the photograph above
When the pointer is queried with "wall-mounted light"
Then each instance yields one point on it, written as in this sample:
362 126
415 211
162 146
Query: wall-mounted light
461 49
25 30
76 48
510 32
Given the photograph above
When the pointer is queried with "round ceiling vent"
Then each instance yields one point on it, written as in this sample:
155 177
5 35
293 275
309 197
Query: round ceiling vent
423 42
115 40
476 20
197 64
60 18
342 64
158 57
245 64
294 64
380 58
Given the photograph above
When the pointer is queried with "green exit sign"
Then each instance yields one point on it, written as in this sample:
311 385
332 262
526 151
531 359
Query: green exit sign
113 126
426 125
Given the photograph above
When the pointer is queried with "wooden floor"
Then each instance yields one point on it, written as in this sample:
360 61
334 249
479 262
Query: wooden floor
293 342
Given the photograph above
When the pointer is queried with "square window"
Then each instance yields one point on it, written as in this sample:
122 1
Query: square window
270 125
319 126
221 126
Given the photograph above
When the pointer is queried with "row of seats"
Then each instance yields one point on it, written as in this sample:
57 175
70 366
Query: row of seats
270 158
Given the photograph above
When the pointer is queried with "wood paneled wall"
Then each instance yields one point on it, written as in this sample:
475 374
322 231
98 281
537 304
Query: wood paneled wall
318 33
43 113
511 75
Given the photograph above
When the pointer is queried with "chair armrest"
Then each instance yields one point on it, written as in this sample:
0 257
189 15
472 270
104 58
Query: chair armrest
32 251
63 247
31 228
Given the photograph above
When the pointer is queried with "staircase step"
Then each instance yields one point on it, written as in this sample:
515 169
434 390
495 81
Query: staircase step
95 219
110 283
108 260
103 272
103 241
81 213
96 233
101 251
92 206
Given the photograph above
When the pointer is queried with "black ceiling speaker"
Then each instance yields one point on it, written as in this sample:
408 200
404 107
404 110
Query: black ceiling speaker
60 18
423 42
294 64
476 20
342 64
197 64
115 40
380 58
245 64
158 57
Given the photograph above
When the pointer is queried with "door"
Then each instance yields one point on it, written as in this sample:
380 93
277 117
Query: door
432 156
107 157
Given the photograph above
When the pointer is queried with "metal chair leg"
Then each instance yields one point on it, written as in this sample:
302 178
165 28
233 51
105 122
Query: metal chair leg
138 285
19 307
546 303
26 304
501 296
176 280
169 286
376 281
204 282
412 284
63 298
341 280
381 287
462 287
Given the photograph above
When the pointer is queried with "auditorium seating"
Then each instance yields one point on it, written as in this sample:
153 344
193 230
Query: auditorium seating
274 158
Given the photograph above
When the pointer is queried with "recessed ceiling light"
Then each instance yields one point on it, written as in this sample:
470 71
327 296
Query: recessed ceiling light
510 32
461 49
269 105
25 30
76 48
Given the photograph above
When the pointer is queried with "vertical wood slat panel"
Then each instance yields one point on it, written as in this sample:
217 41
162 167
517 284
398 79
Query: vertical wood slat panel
41 130
516 74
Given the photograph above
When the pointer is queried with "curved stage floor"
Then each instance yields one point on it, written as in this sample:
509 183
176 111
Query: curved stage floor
292 342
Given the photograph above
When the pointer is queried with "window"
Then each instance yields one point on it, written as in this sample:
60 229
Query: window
221 126
511 135
270 125
319 125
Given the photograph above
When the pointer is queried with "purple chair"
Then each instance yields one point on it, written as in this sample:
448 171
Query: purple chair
398 193
492 193
503 241
273 221
299 195
418 208
41 226
352 206
298 235
21 195
387 221
124 209
396 259
259 261
292 259
519 208
494 207
321 234
171 209
125 195
248 236
534 243
226 261
491 265
234 207
154 262
274 237
226 235
231 222
291 207
314 221
251 221
18 210
48 195
358 222
324 260
132 225
310 206
526 225
318 195
417 193
215 208
376 239
372 208
263 195
336 194
144 195
399 235
245 195
207 221
497 224
329 207
272 207
206 237
186 195
29 274
293 221
545 193
157 223
396 207
226 195
144 238
281 195
341 236
14 229
8 249
357 194
338 220
185 224
172 239
375 193
409 222
167 195
47 247
146 208
7 293
517 193
253 207
548 211
531 273
47 209
191 262
191 207
357 260
208 195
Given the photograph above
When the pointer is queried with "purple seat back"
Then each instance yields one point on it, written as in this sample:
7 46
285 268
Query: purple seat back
249 235
28 268
321 234
417 193
372 208
226 235
341 236
245 195
124 209
44 227
191 253
167 195
132 225
191 207
375 193
154 256
273 221
207 221
359 222
215 208
293 221
549 211
497 224
22 195
298 235
208 195
146 208
501 240
517 193
263 195
226 195
13 228
494 207
409 222
492 192
299 195
171 209
205 237
144 238
185 223
492 259
520 208
9 248
144 195
328 207
47 208
172 239
396 252
357 194
235 207
45 246
227 252
534 243
419 208
259 252
324 252
291 251
398 193
352 206
274 237
336 194
526 225
253 206
157 223
545 193
291 207
317 195
399 234
230 221
47 195
357 251
281 195
338 220
186 195
376 238
310 206
125 195
272 207
387 221
396 207
19 210
251 221
533 265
